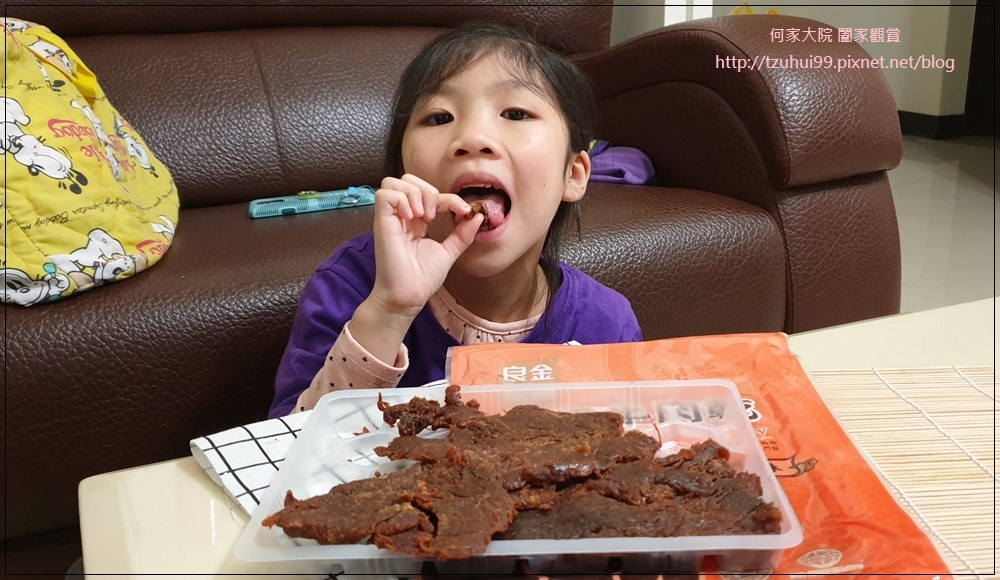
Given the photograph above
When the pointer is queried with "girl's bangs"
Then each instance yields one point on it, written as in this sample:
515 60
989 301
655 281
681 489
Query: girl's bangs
516 57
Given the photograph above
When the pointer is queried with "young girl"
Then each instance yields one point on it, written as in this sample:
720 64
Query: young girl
483 113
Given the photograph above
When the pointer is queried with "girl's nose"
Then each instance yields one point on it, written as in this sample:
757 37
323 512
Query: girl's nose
473 138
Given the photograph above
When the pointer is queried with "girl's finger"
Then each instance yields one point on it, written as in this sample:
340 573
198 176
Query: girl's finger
430 205
416 200
462 236
425 196
453 203
400 185
391 202
410 191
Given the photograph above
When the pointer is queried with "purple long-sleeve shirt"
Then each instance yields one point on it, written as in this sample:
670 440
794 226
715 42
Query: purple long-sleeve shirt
583 310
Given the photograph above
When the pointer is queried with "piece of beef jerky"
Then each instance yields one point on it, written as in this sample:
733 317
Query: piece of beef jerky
479 206
440 510
419 413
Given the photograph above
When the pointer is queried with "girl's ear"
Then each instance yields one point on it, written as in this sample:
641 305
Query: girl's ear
577 176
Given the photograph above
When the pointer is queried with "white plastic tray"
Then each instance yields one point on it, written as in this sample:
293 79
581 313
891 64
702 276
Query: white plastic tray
330 451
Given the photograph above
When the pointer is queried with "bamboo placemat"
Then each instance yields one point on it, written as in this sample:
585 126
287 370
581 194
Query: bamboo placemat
931 435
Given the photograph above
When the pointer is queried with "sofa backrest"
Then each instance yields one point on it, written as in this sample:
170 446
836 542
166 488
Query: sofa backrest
305 91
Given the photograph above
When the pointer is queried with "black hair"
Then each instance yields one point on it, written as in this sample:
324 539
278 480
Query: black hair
547 73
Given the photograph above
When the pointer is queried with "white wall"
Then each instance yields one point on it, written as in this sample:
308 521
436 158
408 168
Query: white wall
635 19
632 18
925 30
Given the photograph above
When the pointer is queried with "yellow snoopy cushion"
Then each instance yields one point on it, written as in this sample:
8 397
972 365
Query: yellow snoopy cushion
85 200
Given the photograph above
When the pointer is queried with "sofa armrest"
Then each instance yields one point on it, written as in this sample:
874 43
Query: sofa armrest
810 146
810 125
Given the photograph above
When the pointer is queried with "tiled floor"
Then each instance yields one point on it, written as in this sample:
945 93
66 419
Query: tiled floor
945 198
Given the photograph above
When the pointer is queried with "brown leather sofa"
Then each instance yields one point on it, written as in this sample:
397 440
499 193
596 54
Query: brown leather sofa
772 212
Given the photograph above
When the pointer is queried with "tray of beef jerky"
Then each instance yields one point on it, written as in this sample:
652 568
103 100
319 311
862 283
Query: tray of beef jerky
559 478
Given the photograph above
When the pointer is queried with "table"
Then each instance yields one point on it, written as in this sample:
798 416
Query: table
171 518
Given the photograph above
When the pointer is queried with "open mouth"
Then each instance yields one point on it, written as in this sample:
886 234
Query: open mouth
492 202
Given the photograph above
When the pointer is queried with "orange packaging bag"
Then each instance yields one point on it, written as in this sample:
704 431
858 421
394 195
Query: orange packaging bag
851 522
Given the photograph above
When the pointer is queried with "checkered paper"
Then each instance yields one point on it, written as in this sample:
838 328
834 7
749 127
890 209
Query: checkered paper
244 460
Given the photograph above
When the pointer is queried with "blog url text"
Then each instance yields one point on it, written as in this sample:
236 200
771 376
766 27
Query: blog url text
839 64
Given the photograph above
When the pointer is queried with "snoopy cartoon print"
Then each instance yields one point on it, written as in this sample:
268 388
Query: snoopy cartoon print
109 150
21 289
52 84
46 50
39 158
135 149
167 231
13 117
53 54
103 254
33 153
15 25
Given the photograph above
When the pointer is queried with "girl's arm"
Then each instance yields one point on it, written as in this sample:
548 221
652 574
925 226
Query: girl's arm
349 366
326 304
409 266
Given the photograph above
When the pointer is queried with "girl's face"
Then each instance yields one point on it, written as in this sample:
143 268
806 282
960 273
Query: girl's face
485 127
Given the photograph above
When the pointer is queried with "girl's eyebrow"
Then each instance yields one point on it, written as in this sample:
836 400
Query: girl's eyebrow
505 85
514 84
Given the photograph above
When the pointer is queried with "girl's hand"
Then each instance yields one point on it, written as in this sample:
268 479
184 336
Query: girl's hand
410 267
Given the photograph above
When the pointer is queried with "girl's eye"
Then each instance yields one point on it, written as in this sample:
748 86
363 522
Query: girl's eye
440 119
516 115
